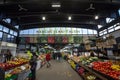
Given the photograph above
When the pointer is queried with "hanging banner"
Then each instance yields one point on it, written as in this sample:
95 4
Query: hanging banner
76 39
58 39
35 40
31 40
43 39
27 39
38 40
70 39
65 39
51 39
22 40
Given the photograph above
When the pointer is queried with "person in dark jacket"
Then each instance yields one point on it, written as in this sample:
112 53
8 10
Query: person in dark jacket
59 56
92 54
33 64
8 55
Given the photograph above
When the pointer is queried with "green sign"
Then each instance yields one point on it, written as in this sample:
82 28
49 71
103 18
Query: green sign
43 39
77 39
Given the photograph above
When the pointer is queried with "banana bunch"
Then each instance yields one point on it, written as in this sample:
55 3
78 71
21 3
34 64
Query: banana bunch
115 67
8 75
91 77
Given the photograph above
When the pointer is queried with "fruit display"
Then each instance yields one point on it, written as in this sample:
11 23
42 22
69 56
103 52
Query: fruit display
9 74
42 58
81 70
107 68
91 77
115 67
14 63
73 65
77 59
88 60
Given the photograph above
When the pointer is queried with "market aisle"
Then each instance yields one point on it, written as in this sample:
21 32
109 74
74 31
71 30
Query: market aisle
58 71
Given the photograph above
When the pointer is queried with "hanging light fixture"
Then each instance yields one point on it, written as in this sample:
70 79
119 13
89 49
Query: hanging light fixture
69 18
43 18
96 17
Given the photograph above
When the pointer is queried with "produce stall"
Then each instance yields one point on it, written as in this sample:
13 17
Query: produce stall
17 69
42 60
93 68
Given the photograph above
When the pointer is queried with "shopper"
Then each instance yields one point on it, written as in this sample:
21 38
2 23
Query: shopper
59 56
33 64
92 54
53 55
48 58
8 55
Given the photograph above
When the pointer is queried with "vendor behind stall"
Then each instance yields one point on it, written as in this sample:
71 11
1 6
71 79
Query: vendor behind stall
8 55
33 64
92 54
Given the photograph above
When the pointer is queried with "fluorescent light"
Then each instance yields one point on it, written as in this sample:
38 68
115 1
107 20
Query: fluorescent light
96 17
43 18
56 5
69 18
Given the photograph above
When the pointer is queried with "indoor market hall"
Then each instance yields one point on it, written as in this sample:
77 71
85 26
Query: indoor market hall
59 39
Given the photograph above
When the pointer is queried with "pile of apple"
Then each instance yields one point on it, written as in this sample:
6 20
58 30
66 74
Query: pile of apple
12 64
105 68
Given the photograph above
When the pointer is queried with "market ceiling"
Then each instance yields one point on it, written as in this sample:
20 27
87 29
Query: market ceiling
29 13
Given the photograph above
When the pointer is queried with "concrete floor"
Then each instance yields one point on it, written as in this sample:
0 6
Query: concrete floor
58 71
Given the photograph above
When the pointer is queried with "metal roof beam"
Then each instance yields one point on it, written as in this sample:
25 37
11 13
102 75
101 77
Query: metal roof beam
42 25
8 25
110 24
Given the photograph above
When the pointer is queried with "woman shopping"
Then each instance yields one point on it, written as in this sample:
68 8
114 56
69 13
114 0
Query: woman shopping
48 60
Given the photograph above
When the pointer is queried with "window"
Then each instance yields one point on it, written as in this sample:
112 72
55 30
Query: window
100 26
119 12
73 31
108 20
101 34
94 31
37 31
1 36
8 20
12 38
5 29
78 30
84 31
11 32
1 27
111 27
111 30
5 35
31 31
15 33
21 32
117 27
9 38
25 32
105 32
90 31
17 26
